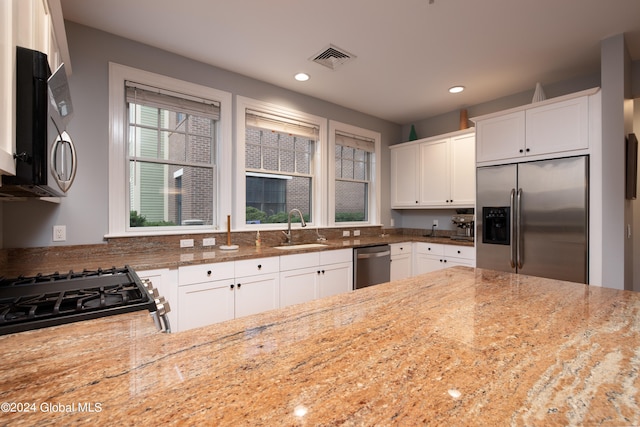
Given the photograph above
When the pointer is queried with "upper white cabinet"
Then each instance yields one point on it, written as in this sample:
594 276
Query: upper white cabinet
434 172
546 129
405 167
34 24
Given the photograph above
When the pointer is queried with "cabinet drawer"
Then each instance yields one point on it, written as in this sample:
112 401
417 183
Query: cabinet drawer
336 257
251 267
430 248
205 272
401 248
466 252
293 262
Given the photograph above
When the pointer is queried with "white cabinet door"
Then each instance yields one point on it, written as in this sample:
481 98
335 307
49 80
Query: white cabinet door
463 170
297 286
166 281
500 138
428 263
400 267
335 279
206 303
559 127
404 176
256 294
401 260
434 173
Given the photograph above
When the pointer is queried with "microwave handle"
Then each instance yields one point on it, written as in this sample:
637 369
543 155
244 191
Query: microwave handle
67 173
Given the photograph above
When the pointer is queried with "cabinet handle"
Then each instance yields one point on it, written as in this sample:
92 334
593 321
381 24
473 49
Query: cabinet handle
322 271
458 251
208 272
521 150
318 271
527 150
445 260
428 249
239 284
232 286
259 266
416 201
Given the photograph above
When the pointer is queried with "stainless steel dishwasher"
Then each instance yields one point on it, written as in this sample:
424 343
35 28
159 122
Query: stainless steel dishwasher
371 265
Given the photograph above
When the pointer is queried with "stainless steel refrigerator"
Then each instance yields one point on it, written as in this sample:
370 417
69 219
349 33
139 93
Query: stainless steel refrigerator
532 218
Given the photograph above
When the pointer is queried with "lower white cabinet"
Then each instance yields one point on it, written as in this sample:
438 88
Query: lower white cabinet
304 277
212 293
401 260
434 256
164 280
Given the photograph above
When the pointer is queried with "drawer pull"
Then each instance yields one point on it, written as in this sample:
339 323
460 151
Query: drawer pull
259 266
231 286
208 272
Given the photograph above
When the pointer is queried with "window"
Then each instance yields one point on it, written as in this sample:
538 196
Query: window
280 163
354 174
164 154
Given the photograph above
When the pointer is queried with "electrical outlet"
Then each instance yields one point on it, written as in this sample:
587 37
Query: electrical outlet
346 233
186 243
356 232
59 233
210 241
435 222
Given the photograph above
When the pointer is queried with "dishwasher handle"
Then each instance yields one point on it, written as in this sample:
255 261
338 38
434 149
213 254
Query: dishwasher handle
374 255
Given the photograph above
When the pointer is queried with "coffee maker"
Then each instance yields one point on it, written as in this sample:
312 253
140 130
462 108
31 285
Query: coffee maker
464 224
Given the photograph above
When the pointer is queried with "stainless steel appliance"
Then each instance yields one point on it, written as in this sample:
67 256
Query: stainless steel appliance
464 223
47 300
532 218
45 155
371 265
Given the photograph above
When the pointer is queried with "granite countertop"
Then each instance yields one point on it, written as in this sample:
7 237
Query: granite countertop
459 346
142 256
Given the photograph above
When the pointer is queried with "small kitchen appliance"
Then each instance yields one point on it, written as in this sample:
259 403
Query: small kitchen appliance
464 224
41 301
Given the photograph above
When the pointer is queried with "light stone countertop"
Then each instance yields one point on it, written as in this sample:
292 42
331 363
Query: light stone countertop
459 346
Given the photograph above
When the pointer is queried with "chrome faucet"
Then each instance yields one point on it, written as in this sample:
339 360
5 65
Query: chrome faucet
288 233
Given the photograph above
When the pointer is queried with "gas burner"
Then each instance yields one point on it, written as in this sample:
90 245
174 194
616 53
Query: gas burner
46 300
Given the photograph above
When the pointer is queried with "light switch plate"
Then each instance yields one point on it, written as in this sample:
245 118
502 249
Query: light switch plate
209 241
356 232
346 233
186 243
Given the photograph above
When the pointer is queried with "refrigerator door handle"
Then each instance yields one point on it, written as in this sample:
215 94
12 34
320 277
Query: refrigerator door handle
519 229
513 225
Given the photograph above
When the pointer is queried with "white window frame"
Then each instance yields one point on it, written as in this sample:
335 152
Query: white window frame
119 169
375 178
318 164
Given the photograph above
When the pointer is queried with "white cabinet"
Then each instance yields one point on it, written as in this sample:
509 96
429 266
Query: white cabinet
205 294
405 169
444 176
401 260
212 293
433 256
542 130
34 24
256 286
336 273
304 277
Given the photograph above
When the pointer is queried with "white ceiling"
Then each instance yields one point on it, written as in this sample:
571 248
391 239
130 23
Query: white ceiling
409 52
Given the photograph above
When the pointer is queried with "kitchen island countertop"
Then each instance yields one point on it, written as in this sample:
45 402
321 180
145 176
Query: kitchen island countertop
459 346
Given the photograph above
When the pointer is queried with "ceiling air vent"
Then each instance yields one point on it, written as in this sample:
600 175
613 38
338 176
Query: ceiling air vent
332 57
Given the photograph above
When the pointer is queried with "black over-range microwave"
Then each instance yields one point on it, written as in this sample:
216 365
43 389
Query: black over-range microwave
45 156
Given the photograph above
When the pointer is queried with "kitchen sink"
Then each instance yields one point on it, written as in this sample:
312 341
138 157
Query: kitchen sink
302 246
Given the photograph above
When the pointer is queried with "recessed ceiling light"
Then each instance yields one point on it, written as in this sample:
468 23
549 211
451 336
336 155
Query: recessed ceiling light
456 89
302 77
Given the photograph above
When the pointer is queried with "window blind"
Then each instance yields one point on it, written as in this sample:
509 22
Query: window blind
154 97
260 120
355 141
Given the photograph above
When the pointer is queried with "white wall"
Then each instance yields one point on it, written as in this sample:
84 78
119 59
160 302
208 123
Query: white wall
85 211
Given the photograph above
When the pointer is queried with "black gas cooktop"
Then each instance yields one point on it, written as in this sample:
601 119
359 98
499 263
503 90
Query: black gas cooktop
47 300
